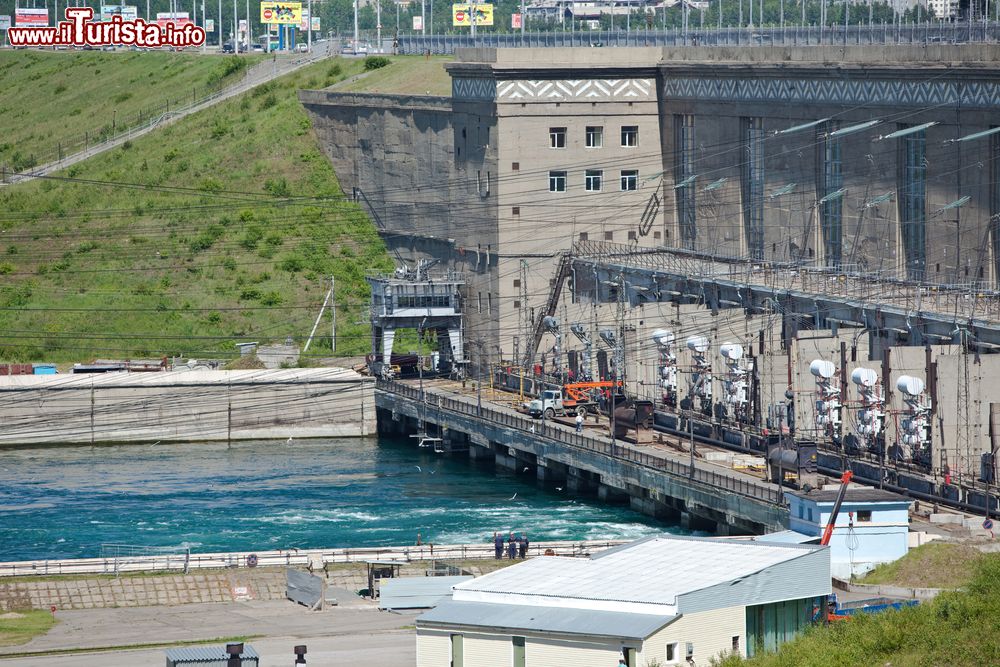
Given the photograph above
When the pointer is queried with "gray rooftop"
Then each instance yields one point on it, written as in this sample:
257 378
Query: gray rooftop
786 537
670 566
855 494
545 619
417 592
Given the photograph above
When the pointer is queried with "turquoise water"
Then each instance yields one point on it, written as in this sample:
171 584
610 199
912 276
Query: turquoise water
65 502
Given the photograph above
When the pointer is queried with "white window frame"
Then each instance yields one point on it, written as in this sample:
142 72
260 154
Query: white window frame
594 136
633 179
589 178
630 131
676 660
556 176
557 135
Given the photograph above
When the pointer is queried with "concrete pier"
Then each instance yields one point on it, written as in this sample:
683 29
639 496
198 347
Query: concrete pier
662 484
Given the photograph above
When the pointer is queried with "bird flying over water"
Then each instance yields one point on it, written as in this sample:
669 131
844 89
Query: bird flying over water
512 497
289 441
419 469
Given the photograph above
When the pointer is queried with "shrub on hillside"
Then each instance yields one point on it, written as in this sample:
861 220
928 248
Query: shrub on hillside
376 62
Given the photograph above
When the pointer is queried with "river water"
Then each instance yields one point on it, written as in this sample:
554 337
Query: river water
65 502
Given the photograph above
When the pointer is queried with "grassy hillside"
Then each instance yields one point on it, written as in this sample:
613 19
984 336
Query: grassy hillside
934 565
407 75
955 629
225 226
52 100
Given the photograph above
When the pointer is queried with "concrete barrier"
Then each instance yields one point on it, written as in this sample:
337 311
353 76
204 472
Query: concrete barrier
886 590
185 406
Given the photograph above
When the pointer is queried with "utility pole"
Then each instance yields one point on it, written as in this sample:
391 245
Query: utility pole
333 301
309 29
236 28
355 27
378 24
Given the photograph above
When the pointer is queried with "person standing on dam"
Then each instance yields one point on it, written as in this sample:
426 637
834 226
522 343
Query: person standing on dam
498 546
511 547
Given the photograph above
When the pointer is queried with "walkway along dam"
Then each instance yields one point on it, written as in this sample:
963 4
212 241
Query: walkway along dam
660 484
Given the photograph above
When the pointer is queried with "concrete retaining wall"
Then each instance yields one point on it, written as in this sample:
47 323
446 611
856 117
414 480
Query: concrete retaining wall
185 406
885 590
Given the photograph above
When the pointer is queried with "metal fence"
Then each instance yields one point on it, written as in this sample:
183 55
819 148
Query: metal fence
788 35
436 405
182 561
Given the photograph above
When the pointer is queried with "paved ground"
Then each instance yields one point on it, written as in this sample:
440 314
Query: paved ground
354 633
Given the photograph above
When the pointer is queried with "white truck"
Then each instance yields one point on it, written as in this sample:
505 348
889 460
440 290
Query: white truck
550 404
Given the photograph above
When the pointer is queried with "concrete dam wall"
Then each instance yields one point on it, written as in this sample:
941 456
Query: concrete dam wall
185 406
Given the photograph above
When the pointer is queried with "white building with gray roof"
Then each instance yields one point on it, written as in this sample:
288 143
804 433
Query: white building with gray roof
675 600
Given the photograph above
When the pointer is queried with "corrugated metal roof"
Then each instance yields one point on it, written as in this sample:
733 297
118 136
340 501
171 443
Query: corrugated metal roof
537 618
206 653
786 537
416 592
654 571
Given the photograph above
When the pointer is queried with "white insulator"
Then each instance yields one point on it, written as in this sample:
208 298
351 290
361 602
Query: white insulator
697 344
731 351
663 338
909 385
822 368
864 377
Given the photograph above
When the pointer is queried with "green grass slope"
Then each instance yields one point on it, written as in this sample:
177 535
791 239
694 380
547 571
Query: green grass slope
933 565
407 75
52 101
223 227
957 629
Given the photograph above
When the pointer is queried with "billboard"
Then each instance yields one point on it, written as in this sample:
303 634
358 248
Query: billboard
128 13
177 18
304 20
315 24
209 25
31 17
286 13
461 15
4 21
418 23
515 21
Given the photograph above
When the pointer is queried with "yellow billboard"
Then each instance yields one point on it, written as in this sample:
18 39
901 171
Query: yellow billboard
287 13
461 15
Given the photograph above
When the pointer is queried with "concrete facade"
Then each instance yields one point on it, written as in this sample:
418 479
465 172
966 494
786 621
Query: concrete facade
739 160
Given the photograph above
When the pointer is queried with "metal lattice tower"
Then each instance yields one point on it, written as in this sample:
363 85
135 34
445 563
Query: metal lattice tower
524 323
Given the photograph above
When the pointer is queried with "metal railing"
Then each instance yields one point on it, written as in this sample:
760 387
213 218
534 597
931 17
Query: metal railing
436 404
181 561
973 299
925 33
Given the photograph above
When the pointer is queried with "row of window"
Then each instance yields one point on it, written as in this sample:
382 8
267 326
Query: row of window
674 652
594 136
593 180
